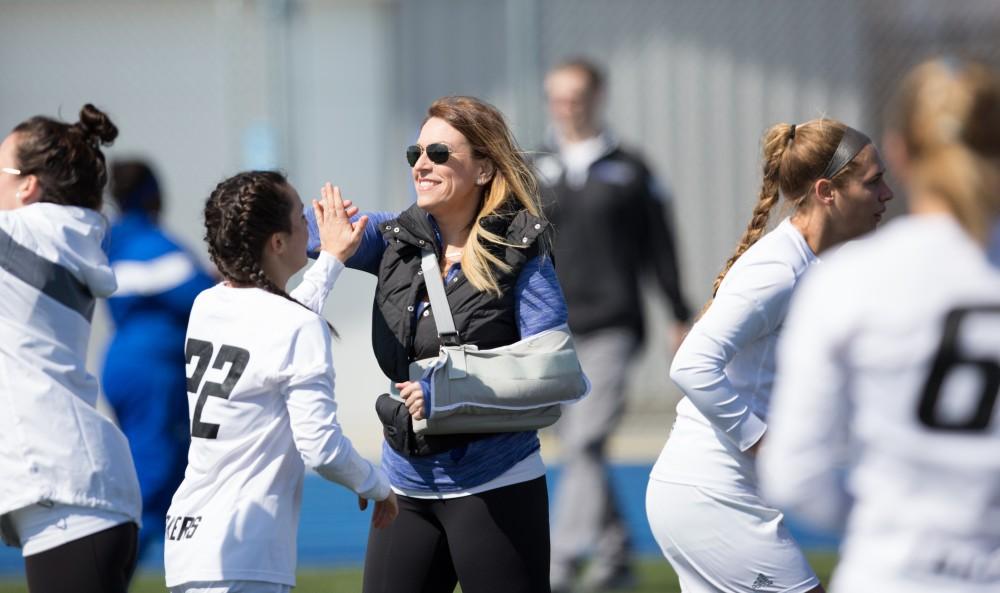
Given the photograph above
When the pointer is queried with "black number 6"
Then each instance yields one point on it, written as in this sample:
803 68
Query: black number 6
949 358
203 350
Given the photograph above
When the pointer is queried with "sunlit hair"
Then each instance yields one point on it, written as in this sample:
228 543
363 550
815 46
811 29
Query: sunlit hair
66 158
486 131
948 115
793 158
241 216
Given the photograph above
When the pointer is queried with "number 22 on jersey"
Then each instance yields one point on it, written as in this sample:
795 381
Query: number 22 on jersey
202 350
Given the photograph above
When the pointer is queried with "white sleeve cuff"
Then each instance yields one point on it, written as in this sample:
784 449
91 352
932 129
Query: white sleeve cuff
326 270
749 432
376 487
318 281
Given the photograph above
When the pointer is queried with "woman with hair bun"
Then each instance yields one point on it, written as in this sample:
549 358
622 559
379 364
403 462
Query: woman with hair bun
69 496
885 417
702 501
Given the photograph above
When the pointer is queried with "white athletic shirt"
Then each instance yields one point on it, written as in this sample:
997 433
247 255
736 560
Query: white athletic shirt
861 430
260 395
55 447
726 366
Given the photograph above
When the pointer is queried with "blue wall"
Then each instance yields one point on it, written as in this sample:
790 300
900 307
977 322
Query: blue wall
333 532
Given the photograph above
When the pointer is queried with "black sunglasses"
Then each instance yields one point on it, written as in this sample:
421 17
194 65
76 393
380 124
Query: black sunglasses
438 153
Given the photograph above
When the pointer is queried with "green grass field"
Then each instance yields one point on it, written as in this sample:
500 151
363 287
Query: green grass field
655 576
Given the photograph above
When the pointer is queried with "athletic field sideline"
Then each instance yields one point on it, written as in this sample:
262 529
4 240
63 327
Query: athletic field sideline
655 576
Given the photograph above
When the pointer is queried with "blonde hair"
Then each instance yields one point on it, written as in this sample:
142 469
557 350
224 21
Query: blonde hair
794 156
948 116
487 132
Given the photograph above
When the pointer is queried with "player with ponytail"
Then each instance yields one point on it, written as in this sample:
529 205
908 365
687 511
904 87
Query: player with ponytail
702 501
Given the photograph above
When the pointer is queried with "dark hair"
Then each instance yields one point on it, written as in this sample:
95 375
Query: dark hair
593 72
134 186
241 215
66 158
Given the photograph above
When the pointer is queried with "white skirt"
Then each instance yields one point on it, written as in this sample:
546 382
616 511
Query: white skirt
725 542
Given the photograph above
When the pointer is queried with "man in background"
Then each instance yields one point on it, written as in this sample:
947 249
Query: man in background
611 229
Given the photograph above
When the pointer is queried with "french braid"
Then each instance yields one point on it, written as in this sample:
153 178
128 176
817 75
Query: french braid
241 215
793 158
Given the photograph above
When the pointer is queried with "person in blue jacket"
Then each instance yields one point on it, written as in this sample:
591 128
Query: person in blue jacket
144 375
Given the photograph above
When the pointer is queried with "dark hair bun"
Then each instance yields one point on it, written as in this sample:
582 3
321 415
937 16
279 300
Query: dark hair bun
97 125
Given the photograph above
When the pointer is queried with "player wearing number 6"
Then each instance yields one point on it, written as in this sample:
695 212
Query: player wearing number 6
884 421
260 392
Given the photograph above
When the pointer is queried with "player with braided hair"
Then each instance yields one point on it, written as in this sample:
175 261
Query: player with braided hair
242 213
702 501
261 391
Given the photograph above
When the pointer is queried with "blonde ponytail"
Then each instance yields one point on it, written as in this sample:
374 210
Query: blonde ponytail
776 140
948 114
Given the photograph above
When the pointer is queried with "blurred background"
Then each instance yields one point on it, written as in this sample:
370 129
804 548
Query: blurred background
335 89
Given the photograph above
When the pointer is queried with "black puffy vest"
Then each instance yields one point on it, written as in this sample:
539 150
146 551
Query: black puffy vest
481 318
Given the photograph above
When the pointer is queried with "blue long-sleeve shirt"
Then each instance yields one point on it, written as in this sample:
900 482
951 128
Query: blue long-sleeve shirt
539 306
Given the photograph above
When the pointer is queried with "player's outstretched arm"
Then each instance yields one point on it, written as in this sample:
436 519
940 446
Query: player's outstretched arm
312 414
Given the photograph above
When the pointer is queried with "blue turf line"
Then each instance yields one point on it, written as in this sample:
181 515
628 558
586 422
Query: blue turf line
333 532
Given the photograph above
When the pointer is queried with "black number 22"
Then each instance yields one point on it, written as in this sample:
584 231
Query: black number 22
202 350
948 358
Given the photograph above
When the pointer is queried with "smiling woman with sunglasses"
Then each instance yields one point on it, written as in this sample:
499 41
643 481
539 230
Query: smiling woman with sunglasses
69 496
472 507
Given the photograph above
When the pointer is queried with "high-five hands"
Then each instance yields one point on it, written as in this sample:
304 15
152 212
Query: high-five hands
385 510
337 234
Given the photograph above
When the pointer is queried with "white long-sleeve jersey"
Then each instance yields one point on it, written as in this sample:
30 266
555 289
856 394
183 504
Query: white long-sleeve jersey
885 412
260 394
726 366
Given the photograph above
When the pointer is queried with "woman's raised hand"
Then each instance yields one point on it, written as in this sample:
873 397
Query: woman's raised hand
338 236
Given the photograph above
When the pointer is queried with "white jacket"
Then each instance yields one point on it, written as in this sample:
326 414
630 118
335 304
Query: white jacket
54 444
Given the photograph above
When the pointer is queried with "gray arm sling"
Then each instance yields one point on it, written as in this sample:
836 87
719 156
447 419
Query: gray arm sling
520 386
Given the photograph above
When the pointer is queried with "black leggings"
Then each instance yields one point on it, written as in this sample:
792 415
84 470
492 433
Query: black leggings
497 541
99 563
